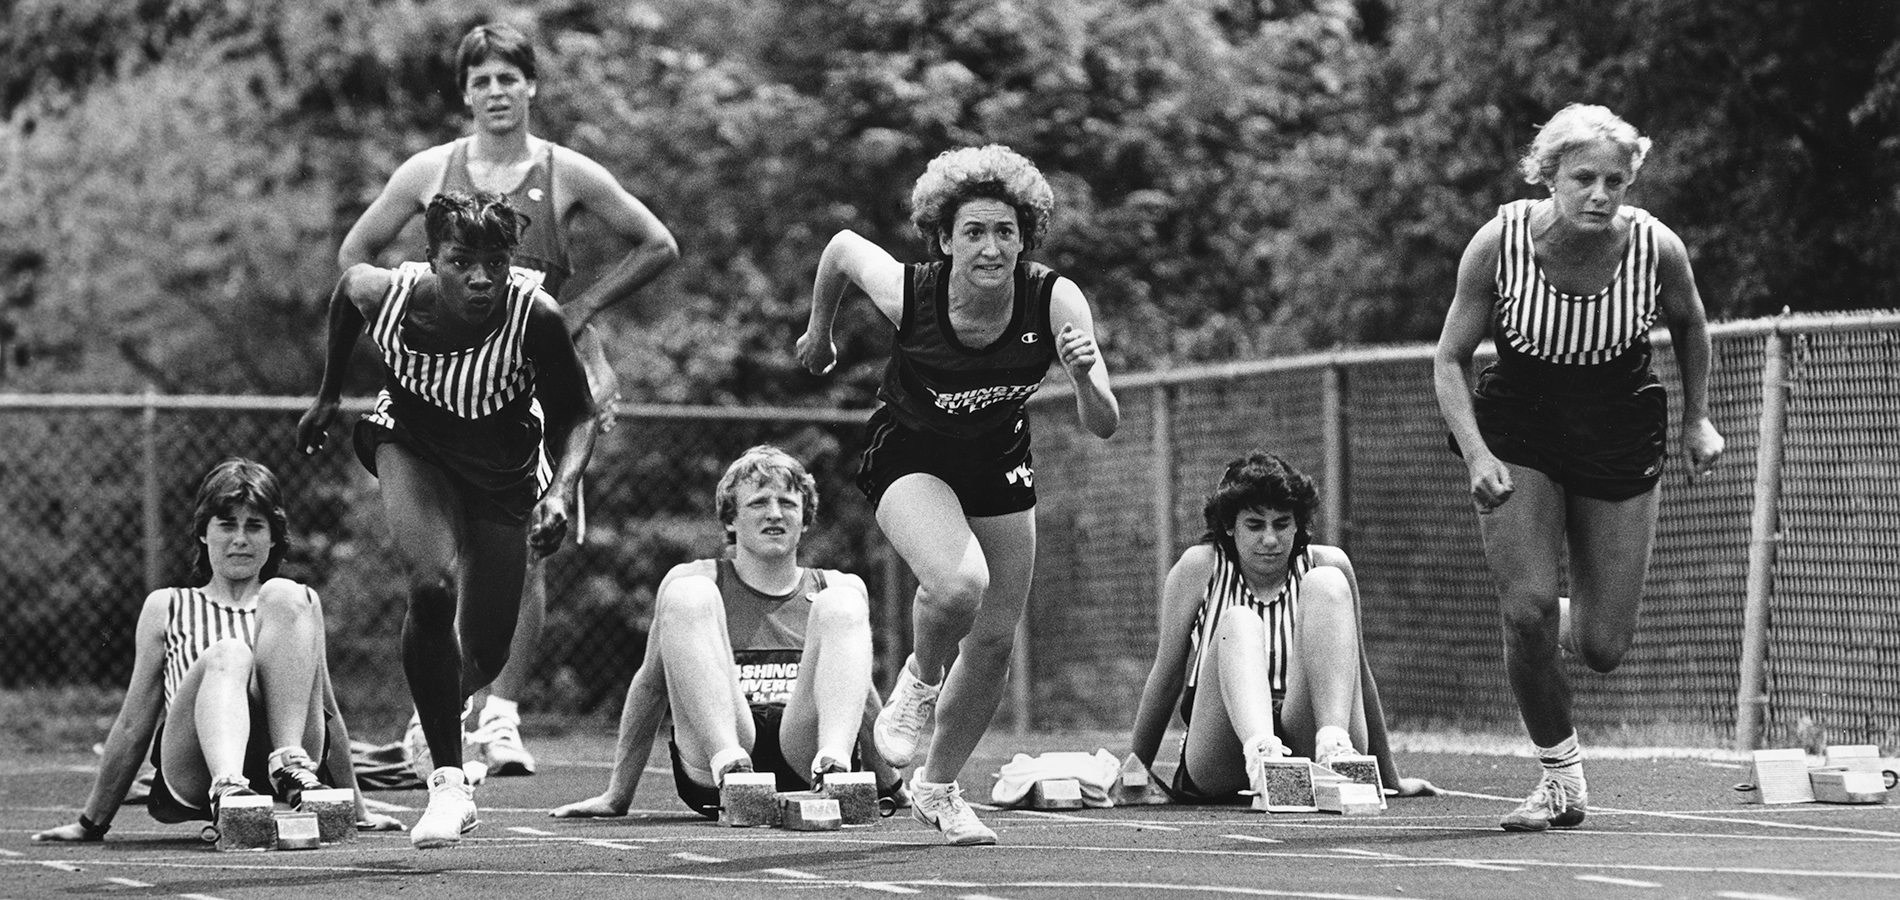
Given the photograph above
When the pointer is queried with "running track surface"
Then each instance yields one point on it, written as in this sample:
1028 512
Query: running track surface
1663 827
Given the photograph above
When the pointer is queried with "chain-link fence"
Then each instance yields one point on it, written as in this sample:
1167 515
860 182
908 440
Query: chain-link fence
1821 524
95 495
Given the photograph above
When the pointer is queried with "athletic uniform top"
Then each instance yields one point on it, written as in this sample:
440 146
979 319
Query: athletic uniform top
474 408
543 250
767 632
937 384
1538 321
194 622
1227 588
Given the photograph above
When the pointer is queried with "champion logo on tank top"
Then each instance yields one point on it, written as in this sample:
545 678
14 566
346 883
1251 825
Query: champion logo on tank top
1548 324
1030 337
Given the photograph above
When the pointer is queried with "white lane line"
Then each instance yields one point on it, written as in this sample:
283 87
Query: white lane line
1620 882
533 832
611 845
1695 817
695 857
127 882
791 873
200 897
56 864
1069 817
1255 839
887 888
978 897
6 852
382 806
1744 895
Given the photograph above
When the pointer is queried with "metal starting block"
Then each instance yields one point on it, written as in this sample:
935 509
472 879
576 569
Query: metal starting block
297 830
1778 776
808 811
1348 798
1056 793
1362 769
1135 786
245 823
748 799
1841 785
335 809
1286 785
856 793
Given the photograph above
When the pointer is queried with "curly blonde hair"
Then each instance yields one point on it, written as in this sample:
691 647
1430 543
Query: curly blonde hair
764 464
1572 127
994 172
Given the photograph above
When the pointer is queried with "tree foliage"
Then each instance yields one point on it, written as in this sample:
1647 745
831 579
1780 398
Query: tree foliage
1234 177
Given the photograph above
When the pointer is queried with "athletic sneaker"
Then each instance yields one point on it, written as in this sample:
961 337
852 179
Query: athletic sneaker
941 806
500 739
900 724
1549 806
1332 746
822 766
291 773
451 811
227 786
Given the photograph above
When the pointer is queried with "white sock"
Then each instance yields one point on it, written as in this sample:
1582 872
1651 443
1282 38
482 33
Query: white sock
1564 762
1330 735
726 759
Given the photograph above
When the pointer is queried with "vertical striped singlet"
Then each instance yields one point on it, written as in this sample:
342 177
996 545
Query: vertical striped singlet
1227 588
1543 322
470 383
195 622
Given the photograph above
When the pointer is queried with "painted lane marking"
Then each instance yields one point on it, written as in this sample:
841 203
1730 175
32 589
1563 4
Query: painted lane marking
56 864
611 845
697 858
791 873
534 832
1694 817
1070 817
1257 840
887 888
1744 895
127 882
1622 882
200 897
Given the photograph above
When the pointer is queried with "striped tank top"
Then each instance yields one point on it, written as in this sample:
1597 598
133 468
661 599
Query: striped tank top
1226 588
1540 321
470 383
195 622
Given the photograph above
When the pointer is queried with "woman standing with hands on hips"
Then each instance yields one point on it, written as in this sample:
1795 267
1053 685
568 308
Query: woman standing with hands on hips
947 464
1565 435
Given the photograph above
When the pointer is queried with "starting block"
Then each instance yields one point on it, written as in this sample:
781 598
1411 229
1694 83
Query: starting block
335 809
1056 793
1841 785
808 811
1135 786
1286 785
1348 798
856 793
245 823
1778 776
1361 769
748 799
297 830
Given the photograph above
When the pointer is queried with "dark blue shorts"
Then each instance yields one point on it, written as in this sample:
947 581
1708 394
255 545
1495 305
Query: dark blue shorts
1607 445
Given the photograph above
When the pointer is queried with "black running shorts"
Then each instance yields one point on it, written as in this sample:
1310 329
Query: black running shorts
992 474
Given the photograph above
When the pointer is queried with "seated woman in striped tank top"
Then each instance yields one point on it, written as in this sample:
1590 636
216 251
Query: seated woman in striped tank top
1564 436
1259 644
230 689
477 358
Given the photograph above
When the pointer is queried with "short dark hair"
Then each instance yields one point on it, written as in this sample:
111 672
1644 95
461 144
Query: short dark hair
484 219
1260 480
493 41
233 483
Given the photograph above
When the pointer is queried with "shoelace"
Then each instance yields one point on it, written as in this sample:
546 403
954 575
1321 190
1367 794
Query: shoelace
913 713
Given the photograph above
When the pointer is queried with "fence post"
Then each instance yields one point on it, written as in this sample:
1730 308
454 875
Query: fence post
154 541
1332 417
1751 696
1161 471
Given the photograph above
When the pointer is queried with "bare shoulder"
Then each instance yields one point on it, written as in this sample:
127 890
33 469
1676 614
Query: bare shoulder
420 174
1197 560
365 285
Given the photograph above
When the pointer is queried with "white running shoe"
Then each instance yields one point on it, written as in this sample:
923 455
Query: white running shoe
942 807
1331 743
1256 753
1551 805
500 739
451 811
900 724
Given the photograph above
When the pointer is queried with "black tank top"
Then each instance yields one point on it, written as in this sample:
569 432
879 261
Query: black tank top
935 383
543 245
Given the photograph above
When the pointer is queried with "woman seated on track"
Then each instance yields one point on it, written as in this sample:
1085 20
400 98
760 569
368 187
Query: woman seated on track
225 672
1260 644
